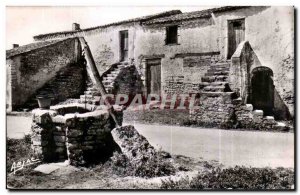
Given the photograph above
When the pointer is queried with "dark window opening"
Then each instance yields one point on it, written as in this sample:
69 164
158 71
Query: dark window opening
172 33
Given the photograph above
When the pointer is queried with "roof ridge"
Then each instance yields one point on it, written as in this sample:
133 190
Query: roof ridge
138 19
35 45
194 14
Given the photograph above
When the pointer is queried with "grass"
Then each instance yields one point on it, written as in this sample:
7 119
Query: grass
117 174
241 178
158 116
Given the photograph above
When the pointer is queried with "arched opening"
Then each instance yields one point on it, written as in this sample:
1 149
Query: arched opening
262 90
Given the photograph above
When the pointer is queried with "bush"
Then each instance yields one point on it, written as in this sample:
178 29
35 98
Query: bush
153 166
236 178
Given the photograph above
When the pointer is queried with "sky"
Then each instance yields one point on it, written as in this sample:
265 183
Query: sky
22 23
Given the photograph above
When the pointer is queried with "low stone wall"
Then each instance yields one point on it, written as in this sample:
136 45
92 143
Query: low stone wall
215 110
82 137
248 118
224 110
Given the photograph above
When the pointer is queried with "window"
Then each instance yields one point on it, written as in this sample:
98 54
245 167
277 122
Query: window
171 33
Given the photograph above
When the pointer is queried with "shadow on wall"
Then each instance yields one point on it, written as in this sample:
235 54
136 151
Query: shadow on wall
281 111
128 82
69 82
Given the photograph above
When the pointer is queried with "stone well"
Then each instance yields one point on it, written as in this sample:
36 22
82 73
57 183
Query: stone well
79 133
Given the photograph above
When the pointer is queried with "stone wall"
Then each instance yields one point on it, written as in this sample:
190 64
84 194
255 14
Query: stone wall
215 110
189 81
32 70
128 82
269 30
70 132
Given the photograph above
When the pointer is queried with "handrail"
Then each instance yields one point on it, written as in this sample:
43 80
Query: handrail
243 61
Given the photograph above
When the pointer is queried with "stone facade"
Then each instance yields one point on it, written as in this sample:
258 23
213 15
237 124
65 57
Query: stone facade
270 35
215 109
74 132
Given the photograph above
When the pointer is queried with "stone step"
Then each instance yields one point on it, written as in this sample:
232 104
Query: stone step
258 113
114 75
86 97
214 66
116 71
269 119
215 73
109 78
109 86
214 69
92 89
214 78
280 126
214 88
222 63
217 83
93 93
217 94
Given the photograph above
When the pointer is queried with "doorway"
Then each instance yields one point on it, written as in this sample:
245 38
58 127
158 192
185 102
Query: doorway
153 76
124 45
236 35
262 90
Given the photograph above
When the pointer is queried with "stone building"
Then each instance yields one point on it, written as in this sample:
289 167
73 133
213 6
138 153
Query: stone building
242 50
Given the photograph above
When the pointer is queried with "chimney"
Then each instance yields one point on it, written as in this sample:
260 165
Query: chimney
75 26
15 45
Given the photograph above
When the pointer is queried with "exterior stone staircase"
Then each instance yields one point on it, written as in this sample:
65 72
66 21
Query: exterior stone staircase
111 74
92 94
216 78
219 106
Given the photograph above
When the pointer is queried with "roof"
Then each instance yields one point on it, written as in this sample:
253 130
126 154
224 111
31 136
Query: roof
192 15
139 19
163 17
30 47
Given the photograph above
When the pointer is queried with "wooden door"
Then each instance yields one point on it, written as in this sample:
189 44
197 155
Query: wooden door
236 35
124 45
154 76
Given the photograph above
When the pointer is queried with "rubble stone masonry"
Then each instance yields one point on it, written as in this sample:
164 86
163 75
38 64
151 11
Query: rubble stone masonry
70 132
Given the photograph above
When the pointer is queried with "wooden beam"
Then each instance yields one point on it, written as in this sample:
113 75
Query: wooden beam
96 77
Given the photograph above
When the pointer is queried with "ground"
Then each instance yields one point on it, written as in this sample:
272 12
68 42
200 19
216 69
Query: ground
199 150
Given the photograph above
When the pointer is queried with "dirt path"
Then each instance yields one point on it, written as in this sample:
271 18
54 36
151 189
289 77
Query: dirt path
229 147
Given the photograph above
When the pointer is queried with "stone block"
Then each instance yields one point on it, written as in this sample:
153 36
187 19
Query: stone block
88 138
60 144
59 138
85 143
73 146
74 133
258 113
60 149
87 147
58 119
36 143
59 133
91 132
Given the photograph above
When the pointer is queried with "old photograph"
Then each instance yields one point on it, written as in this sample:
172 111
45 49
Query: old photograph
150 98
